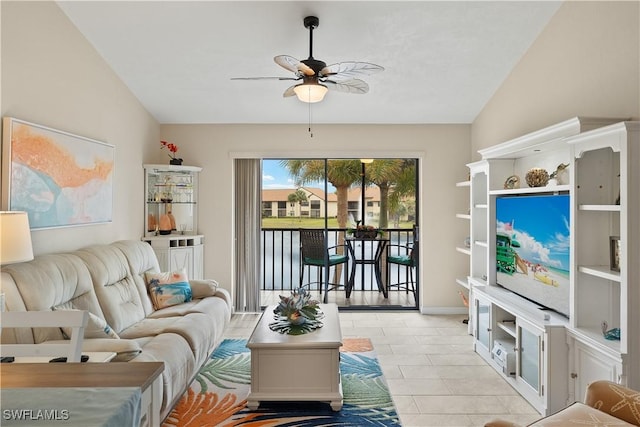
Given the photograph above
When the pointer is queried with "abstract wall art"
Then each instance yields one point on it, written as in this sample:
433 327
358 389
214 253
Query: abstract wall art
58 178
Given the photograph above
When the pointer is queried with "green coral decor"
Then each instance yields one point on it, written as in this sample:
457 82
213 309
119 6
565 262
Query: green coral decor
297 314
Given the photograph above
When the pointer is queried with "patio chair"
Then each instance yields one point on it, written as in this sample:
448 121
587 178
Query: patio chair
314 254
404 256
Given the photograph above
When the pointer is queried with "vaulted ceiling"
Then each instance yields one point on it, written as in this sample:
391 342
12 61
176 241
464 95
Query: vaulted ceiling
443 60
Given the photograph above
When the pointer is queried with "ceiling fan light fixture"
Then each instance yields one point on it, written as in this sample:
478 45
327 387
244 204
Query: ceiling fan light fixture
310 92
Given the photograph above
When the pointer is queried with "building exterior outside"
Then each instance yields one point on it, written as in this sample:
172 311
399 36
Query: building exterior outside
275 203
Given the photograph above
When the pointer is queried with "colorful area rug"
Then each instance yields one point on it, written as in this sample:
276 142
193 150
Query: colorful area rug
217 396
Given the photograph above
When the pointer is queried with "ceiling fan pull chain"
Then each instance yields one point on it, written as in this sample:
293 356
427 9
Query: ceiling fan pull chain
310 133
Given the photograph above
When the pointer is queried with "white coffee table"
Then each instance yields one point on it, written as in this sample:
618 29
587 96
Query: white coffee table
296 367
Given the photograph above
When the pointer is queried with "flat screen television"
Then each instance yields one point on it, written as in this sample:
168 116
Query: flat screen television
532 248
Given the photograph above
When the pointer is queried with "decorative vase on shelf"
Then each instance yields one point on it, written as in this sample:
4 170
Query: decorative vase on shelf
164 225
175 161
537 177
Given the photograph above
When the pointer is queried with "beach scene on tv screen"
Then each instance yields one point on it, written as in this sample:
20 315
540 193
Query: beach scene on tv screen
532 248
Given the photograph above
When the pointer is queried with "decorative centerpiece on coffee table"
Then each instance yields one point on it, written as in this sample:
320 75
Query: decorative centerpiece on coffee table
297 314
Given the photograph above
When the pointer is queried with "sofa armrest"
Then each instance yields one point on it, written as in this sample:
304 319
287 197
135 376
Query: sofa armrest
225 295
614 399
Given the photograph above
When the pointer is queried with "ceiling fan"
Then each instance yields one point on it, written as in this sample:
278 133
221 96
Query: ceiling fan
318 77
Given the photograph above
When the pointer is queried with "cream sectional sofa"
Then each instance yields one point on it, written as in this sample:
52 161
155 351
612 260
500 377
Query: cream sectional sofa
109 282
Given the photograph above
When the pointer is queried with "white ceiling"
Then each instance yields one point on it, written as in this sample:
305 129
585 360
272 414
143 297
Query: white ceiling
443 60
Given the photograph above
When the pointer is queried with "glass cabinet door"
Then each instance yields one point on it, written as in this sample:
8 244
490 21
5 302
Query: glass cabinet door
171 191
483 323
529 356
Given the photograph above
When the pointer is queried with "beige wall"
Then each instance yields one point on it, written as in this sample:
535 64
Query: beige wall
52 76
586 62
443 149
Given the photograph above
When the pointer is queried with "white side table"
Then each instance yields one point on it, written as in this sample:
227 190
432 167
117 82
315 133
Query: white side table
94 357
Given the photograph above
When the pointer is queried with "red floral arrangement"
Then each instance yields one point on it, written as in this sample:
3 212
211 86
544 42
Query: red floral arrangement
173 148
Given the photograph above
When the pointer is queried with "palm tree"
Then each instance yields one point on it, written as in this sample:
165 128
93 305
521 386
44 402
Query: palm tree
340 173
384 173
298 196
404 188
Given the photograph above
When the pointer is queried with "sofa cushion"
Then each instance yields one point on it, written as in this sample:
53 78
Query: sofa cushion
579 414
168 288
114 285
179 365
51 281
203 288
96 327
216 307
615 399
141 258
199 330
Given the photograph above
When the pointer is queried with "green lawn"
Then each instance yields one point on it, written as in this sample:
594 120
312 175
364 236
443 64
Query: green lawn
291 222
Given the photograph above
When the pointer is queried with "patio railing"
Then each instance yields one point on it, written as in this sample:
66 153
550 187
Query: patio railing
281 260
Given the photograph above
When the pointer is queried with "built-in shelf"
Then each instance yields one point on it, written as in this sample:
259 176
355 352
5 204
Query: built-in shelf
463 184
508 326
603 208
465 251
463 282
478 281
602 271
482 243
532 190
594 336
463 216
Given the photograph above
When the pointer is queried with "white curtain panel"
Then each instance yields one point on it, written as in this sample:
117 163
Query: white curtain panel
248 173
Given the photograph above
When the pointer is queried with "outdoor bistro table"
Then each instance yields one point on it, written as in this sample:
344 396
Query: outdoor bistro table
376 260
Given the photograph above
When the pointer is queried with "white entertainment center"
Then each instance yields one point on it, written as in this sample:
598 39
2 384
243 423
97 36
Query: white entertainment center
548 357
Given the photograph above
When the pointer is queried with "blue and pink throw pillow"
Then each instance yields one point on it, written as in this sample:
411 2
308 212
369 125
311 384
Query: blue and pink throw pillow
167 289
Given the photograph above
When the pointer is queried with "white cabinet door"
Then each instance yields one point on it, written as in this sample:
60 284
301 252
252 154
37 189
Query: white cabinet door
198 262
163 258
529 344
483 324
591 365
181 258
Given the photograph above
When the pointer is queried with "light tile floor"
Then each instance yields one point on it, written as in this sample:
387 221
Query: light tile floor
433 374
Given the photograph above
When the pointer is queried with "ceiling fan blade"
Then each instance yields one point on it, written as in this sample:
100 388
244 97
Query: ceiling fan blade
265 78
350 69
294 65
289 92
356 86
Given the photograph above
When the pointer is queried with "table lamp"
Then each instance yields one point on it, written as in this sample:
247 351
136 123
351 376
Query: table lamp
15 238
15 241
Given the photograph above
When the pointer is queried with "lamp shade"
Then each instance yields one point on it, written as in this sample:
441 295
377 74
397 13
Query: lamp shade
15 238
310 92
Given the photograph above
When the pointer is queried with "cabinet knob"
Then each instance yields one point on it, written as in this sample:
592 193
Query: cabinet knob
488 329
574 375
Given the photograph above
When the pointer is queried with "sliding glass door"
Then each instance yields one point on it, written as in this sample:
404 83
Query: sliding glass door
334 196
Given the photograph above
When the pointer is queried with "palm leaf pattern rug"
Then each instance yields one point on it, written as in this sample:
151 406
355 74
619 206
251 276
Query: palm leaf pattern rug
217 396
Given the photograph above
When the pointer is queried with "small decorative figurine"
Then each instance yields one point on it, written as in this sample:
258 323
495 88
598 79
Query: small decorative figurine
512 182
